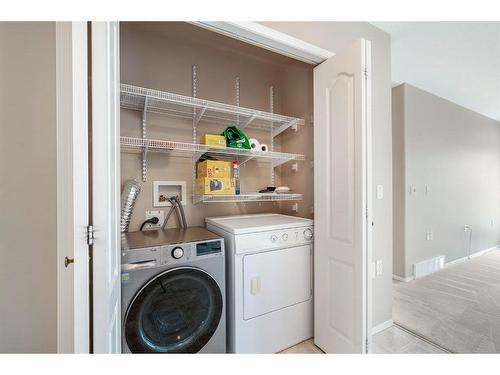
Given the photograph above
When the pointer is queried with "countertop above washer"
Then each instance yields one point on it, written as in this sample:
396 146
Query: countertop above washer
151 238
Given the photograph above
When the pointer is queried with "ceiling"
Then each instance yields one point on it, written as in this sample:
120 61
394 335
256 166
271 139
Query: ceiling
459 61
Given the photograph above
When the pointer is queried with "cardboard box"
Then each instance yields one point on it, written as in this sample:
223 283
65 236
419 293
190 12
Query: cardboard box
213 140
215 186
214 169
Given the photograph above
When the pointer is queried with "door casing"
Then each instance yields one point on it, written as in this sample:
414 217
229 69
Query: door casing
261 37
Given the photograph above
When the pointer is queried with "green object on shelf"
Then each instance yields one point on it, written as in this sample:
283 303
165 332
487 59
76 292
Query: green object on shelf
236 138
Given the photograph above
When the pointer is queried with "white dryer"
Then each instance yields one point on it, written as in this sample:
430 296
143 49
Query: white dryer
269 280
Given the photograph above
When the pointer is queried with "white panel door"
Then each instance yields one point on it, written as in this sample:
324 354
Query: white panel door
341 186
106 187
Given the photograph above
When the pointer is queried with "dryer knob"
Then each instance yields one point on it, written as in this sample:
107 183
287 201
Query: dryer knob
177 253
308 234
274 238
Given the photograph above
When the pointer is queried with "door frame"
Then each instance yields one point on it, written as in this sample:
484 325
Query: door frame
267 38
105 175
72 187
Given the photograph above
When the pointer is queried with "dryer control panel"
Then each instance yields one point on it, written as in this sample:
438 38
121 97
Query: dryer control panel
268 240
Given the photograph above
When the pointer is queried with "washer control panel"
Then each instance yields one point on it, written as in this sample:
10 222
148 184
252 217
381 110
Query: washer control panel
157 256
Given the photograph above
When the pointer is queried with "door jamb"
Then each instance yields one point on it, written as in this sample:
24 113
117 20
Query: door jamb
72 187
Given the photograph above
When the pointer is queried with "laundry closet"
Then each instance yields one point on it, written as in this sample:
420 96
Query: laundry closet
180 58
237 270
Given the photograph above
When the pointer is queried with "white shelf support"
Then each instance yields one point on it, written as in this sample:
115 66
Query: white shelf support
248 122
188 149
249 197
179 106
271 109
200 115
196 119
144 136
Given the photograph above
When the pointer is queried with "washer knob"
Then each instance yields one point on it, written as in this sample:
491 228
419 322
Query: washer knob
285 236
274 238
308 234
177 253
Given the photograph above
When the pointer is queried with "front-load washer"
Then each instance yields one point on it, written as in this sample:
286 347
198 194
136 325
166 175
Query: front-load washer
269 280
173 292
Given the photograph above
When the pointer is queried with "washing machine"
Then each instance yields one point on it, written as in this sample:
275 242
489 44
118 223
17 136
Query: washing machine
269 280
173 292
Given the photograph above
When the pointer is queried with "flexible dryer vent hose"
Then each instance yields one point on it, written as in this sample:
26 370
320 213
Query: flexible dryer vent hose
130 192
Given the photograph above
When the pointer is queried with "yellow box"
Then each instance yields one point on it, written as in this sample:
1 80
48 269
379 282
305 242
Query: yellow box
214 169
215 186
214 140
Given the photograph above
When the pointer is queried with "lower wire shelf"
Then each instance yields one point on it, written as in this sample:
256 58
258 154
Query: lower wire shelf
248 197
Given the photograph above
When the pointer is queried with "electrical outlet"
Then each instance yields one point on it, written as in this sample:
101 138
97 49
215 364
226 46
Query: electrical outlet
379 267
429 235
492 222
150 214
295 207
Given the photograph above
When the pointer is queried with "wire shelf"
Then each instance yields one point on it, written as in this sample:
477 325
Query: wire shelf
249 197
188 149
165 103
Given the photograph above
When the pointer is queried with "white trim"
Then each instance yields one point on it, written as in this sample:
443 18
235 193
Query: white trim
270 39
382 326
469 257
72 187
403 279
368 193
106 187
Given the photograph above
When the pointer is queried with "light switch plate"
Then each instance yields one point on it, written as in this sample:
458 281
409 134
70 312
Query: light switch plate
380 191
379 267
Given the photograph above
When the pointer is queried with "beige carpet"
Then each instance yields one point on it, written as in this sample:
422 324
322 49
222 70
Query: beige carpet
457 308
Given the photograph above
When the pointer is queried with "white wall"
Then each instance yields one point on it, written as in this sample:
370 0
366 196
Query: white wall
28 284
456 153
335 36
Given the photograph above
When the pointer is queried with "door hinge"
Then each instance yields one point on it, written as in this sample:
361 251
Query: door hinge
90 234
365 73
366 345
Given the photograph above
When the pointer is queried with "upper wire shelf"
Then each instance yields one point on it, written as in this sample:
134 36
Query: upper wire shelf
166 103
247 197
157 145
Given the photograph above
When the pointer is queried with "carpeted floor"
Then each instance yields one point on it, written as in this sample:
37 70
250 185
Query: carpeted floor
457 308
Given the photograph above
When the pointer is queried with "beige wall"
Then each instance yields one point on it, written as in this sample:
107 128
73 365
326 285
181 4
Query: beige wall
398 170
456 153
335 36
160 56
28 312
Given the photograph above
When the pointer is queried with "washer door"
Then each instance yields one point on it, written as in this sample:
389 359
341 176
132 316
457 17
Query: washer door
177 311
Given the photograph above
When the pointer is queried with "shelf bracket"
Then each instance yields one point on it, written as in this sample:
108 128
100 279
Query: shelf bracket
248 122
200 115
144 136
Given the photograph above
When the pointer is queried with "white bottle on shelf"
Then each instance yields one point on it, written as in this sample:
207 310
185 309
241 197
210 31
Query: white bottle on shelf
236 176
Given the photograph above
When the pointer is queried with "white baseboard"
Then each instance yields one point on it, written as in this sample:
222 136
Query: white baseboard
402 279
473 255
380 327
